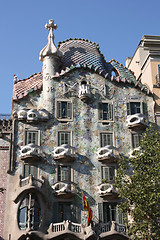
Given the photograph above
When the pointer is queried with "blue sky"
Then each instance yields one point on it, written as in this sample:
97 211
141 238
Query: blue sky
117 26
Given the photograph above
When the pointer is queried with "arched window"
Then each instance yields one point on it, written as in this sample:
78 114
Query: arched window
29 214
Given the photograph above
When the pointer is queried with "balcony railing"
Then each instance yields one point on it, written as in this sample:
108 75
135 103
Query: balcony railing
31 152
137 120
106 190
32 181
65 153
107 154
112 226
64 189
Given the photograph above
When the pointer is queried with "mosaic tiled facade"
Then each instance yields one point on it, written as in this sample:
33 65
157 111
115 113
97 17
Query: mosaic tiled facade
71 122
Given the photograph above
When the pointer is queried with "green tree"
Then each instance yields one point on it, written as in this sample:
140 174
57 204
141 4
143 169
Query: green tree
138 181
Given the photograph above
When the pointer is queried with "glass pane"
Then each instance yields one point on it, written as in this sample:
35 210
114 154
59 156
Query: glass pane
105 111
135 107
106 139
64 109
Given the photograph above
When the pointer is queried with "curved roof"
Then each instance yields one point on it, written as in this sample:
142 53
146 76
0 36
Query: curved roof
80 53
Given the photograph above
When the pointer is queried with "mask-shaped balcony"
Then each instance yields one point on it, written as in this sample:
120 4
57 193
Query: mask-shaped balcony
112 230
106 190
64 153
137 120
64 190
22 114
32 115
31 153
107 154
70 230
84 91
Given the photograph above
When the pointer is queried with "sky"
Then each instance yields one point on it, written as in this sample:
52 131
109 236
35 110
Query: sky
117 26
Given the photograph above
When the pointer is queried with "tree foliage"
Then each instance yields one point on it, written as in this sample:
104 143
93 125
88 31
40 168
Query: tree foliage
138 181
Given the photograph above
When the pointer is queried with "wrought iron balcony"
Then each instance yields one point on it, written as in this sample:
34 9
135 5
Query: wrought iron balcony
64 190
137 120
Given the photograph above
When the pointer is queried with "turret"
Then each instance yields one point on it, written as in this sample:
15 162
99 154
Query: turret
51 58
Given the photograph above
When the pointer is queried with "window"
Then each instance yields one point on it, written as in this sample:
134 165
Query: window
108 173
105 111
136 107
30 169
31 137
110 212
64 110
64 173
136 138
29 213
106 139
158 76
64 138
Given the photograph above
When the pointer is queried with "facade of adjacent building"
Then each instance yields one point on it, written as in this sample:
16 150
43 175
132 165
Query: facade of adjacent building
68 126
146 65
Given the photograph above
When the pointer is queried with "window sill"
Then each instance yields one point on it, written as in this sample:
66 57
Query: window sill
65 119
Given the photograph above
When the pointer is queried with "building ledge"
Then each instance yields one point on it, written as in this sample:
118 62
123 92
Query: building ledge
64 190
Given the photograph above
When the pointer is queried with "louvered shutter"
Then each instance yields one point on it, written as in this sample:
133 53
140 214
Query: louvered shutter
56 213
69 110
100 212
128 109
110 111
59 110
100 111
111 173
144 108
26 171
33 170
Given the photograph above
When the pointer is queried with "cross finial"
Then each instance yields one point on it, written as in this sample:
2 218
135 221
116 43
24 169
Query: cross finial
51 25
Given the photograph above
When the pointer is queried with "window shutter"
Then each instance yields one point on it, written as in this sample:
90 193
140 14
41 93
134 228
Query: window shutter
33 170
144 108
26 171
110 111
100 212
119 216
59 110
56 213
100 112
111 173
69 110
128 109
135 140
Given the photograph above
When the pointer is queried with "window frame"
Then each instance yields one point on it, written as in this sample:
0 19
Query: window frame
106 132
143 107
110 105
67 119
65 131
28 210
108 166
71 172
139 135
30 171
31 129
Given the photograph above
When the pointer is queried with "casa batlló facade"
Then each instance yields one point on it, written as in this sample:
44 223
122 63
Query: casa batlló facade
68 126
